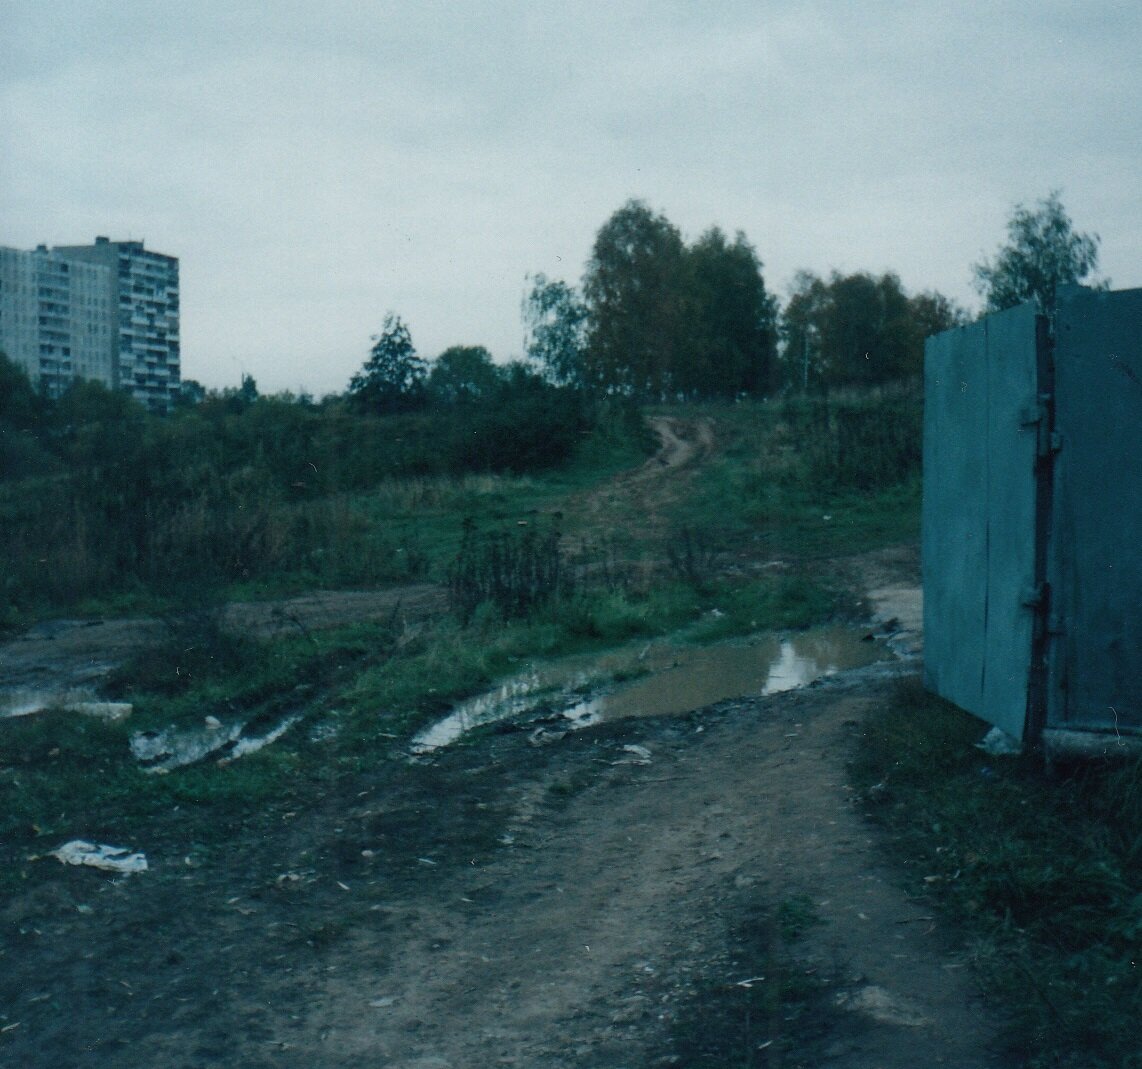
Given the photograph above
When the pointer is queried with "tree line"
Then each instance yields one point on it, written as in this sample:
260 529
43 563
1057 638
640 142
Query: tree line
657 318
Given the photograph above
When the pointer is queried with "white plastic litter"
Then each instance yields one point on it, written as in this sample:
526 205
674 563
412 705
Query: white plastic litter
999 744
98 856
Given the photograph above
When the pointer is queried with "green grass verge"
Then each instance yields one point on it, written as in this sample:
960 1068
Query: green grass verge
797 488
1043 873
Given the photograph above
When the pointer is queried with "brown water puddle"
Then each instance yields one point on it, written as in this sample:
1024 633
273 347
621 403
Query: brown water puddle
658 679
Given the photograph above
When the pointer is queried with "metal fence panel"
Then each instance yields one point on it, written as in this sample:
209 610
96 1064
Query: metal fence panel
1095 556
978 517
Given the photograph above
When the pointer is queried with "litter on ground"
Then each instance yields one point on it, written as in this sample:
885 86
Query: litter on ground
98 856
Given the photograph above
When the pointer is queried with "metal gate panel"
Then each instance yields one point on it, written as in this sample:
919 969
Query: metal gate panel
1095 554
978 517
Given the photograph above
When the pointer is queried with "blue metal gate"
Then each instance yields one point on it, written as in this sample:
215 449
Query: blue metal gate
1032 516
1095 555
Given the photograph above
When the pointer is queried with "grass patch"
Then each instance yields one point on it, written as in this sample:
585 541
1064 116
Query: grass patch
805 479
1043 873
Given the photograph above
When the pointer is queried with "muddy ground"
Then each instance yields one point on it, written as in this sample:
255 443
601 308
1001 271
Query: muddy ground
578 903
605 899
507 904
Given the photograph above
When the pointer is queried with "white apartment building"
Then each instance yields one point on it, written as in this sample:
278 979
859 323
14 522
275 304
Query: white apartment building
56 318
107 311
145 299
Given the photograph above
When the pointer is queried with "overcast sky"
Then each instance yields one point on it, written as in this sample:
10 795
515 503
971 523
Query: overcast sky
315 165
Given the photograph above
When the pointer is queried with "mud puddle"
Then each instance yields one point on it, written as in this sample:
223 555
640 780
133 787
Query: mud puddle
171 748
26 701
657 679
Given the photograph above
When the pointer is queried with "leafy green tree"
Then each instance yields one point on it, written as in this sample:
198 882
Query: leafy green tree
556 321
393 378
90 404
731 321
527 424
634 295
191 393
22 419
1043 252
933 312
248 391
462 373
20 405
868 337
858 329
800 330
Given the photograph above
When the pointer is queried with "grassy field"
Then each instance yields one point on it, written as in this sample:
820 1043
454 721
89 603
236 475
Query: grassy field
370 686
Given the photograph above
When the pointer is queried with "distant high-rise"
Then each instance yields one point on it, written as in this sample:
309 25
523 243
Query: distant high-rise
107 311
145 299
57 319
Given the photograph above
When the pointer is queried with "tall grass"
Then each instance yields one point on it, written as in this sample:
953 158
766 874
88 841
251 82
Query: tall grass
516 572
857 440
807 477
278 495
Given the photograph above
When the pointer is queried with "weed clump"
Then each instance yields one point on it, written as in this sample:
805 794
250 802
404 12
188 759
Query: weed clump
514 572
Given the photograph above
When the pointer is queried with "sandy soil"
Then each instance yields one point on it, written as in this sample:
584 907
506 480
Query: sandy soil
504 903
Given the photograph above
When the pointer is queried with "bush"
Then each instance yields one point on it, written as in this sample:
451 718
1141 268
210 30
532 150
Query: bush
515 572
858 441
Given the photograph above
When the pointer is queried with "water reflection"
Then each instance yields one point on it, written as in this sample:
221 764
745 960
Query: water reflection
656 680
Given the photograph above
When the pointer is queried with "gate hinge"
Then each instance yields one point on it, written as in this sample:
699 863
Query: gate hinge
1033 414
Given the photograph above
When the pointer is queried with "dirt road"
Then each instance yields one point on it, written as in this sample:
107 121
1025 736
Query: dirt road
504 904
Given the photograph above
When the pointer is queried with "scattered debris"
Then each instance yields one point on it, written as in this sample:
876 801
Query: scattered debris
998 743
641 754
248 744
883 1006
750 982
112 712
878 792
27 702
97 856
541 736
